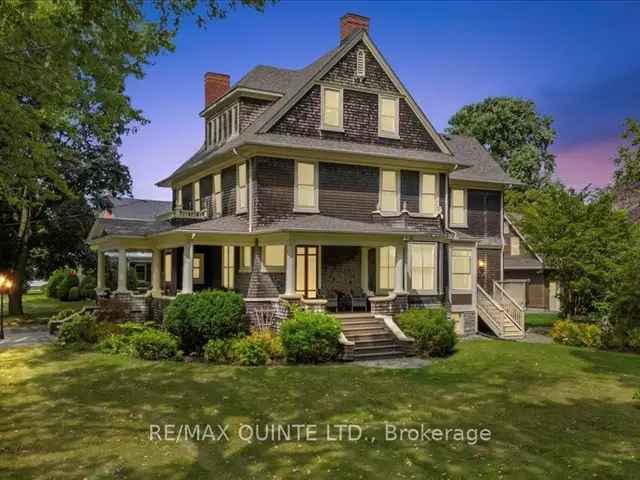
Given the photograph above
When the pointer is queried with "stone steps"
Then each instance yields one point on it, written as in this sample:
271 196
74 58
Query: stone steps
371 337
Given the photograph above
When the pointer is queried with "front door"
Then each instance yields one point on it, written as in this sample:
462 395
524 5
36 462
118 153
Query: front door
307 271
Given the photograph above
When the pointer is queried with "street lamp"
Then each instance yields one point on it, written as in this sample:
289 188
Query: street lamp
5 286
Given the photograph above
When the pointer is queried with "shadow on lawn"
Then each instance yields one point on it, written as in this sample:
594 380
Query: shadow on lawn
98 399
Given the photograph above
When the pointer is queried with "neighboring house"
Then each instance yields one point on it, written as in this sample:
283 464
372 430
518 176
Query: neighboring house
323 186
526 277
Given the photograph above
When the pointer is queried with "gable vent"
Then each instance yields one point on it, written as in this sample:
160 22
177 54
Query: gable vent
361 64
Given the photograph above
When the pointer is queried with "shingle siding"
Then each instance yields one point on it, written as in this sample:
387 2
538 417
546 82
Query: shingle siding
229 191
250 109
491 271
483 214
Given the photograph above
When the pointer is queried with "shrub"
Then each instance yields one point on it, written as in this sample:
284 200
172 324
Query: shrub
54 280
74 294
88 287
575 334
56 320
68 282
259 348
208 315
117 337
115 344
433 332
590 335
79 329
218 351
566 332
633 339
153 344
310 337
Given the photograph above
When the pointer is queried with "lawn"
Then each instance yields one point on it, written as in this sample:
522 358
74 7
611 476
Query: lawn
542 319
554 412
38 308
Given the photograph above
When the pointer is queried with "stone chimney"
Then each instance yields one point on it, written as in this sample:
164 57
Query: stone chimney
215 86
350 22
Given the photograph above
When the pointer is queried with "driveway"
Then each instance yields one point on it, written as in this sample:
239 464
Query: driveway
25 336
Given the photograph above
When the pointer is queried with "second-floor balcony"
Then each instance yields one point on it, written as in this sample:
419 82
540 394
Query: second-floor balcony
201 209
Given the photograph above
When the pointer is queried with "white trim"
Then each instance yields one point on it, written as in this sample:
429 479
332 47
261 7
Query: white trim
333 128
524 240
237 92
316 168
361 63
200 279
472 270
398 186
384 133
465 197
246 188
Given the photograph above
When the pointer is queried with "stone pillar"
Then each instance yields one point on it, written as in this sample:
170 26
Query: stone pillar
187 268
290 283
364 269
399 280
100 285
156 272
122 271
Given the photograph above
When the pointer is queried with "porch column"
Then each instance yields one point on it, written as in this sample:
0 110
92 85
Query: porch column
156 262
290 283
122 271
399 281
100 273
187 268
364 269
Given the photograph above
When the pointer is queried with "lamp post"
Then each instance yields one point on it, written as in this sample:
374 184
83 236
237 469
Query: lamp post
5 285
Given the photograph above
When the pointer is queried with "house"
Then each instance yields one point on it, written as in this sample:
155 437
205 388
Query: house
328 187
526 277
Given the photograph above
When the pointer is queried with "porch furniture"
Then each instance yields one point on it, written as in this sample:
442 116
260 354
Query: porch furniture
358 300
331 297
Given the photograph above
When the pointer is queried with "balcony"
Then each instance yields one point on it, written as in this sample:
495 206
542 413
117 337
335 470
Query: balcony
201 209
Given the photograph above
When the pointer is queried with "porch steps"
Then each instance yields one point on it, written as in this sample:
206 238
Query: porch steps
372 340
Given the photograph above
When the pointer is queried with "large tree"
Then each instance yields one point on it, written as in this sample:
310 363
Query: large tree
63 109
514 133
627 161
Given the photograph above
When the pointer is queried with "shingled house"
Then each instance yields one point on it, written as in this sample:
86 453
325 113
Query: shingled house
329 187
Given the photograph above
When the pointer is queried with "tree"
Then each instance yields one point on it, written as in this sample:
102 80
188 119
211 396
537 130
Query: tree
583 239
517 137
628 160
63 108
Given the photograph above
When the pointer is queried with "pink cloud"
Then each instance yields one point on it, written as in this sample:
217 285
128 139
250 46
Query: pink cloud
587 163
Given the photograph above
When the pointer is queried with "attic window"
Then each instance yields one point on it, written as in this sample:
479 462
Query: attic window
361 64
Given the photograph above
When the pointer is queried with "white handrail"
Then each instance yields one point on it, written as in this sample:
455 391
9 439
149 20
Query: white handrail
513 310
496 323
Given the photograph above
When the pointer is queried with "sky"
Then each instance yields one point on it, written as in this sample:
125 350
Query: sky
579 63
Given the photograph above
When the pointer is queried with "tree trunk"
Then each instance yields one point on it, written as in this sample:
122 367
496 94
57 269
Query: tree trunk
20 264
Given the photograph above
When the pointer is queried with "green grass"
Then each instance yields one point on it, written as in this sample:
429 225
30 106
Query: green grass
38 308
543 319
554 412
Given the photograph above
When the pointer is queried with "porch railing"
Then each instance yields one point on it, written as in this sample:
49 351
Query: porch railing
511 307
206 209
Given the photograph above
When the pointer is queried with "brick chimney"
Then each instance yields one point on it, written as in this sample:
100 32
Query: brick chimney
350 22
215 86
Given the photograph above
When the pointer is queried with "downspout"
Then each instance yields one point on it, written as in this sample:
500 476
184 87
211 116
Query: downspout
249 186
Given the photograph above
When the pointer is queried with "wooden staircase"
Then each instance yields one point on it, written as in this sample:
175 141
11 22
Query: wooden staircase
501 313
372 339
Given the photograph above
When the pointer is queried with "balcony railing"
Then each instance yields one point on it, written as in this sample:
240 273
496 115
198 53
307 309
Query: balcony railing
204 209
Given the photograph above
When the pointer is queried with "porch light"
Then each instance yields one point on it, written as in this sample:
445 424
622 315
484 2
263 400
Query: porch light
482 263
6 284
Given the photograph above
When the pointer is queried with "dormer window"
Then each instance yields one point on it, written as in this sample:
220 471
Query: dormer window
361 59
388 116
223 126
331 109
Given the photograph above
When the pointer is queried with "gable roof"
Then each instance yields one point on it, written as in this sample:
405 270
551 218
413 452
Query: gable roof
524 262
136 208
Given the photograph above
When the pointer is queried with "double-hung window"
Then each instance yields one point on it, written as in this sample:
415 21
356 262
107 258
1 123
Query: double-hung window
306 181
228 266
245 259
458 207
273 258
386 268
389 201
461 270
515 245
217 193
422 258
331 108
198 268
388 116
428 194
241 200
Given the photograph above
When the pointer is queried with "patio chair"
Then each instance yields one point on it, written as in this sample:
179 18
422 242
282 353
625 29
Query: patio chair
358 300
332 299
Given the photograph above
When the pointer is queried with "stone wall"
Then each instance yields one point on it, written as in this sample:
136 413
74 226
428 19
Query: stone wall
390 305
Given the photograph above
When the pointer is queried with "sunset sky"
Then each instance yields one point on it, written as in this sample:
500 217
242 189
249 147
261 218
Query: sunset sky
579 62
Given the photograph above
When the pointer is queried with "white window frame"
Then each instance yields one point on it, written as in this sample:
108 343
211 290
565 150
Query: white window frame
391 270
466 209
472 262
316 170
196 195
515 238
244 252
423 291
217 194
380 184
361 63
168 267
436 194
198 258
273 268
242 192
179 197
384 133
323 125
228 267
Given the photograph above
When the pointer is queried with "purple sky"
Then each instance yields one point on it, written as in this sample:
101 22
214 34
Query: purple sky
580 63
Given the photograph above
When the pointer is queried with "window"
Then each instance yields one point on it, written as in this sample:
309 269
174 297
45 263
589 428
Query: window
306 186
307 271
388 116
461 268
423 266
228 264
515 245
428 194
273 257
167 267
223 126
386 268
179 198
196 196
361 63
198 268
241 200
141 272
389 191
217 192
331 108
459 207
245 259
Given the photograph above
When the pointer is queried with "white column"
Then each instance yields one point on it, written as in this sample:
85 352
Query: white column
122 271
156 262
187 268
399 282
290 284
364 269
100 273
